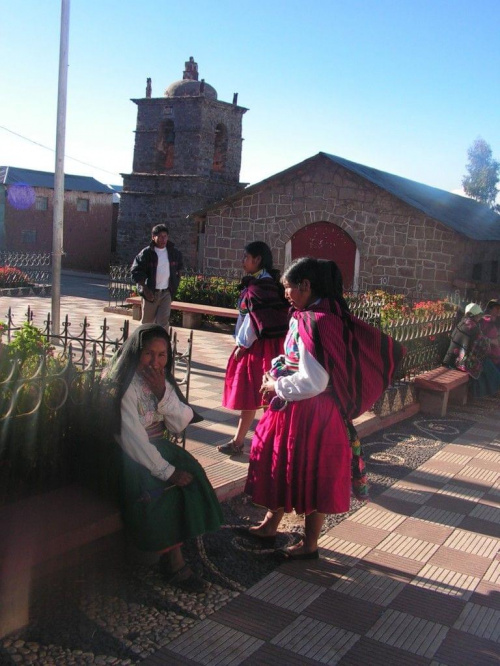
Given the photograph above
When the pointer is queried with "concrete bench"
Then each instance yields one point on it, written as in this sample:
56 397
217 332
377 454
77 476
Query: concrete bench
191 312
438 387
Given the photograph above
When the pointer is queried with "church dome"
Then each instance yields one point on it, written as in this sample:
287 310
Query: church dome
190 88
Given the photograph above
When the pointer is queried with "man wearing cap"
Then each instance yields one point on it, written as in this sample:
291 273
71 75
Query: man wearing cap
463 338
156 271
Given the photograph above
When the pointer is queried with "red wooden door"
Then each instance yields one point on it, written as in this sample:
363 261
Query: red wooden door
323 240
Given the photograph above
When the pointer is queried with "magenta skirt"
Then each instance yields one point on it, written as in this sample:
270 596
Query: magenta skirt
301 459
244 377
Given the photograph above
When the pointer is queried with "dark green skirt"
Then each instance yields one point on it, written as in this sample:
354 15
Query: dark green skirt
158 515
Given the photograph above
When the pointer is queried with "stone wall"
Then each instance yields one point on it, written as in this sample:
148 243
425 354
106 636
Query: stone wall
170 205
194 120
399 247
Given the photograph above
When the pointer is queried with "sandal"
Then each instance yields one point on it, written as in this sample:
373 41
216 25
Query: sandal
231 448
191 583
287 554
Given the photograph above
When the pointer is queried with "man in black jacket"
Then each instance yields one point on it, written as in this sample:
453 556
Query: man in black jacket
156 270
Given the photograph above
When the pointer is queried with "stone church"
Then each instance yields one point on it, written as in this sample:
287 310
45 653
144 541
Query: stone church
384 231
187 155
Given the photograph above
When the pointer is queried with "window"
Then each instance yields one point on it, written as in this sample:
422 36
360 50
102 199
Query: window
477 272
82 205
28 236
166 146
42 203
220 148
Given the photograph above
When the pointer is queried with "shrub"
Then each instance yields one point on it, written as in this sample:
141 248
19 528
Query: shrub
29 341
45 416
208 290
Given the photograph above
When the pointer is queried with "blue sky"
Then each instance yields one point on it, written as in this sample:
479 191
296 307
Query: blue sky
404 86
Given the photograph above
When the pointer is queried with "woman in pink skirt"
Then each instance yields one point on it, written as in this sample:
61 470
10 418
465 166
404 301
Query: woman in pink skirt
334 368
259 334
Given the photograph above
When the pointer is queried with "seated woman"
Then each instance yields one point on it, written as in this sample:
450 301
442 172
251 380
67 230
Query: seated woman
165 495
469 352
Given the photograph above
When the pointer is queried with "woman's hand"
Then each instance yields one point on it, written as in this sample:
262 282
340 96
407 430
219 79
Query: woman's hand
155 379
238 353
268 384
181 478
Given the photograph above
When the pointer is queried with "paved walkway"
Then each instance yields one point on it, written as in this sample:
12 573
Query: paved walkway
413 578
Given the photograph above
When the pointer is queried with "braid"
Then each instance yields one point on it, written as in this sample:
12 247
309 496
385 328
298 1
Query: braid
334 285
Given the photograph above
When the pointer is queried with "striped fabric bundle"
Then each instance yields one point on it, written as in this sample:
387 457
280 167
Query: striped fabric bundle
360 359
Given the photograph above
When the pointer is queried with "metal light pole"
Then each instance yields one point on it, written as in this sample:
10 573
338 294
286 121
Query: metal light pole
57 221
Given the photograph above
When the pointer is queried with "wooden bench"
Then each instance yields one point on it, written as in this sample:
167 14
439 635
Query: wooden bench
438 387
191 312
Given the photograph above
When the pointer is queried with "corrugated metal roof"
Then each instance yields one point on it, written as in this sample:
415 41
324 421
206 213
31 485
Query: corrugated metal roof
461 214
15 175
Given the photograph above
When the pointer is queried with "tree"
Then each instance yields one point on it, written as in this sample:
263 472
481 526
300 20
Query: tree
481 181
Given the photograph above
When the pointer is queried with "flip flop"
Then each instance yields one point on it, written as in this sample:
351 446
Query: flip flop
245 532
192 583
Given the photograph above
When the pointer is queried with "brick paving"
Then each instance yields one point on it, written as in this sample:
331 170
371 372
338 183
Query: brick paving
413 578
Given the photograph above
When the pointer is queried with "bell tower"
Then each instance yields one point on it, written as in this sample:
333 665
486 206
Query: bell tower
187 155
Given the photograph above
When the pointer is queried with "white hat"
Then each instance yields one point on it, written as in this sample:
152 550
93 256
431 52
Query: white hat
473 309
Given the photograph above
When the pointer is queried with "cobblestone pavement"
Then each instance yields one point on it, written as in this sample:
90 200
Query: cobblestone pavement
411 578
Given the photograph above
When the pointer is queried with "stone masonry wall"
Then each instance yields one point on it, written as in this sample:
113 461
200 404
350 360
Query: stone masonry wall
399 246
195 120
153 195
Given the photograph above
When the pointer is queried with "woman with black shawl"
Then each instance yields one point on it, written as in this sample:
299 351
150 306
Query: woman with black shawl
165 495
334 368
259 334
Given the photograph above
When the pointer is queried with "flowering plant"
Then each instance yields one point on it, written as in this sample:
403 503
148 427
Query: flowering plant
13 277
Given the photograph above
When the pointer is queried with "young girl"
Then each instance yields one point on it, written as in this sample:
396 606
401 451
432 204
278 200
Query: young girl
335 367
260 331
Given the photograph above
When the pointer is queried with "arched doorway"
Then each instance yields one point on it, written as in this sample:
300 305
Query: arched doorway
324 240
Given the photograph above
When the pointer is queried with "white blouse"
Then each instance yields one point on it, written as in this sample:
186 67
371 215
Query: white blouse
140 409
310 379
